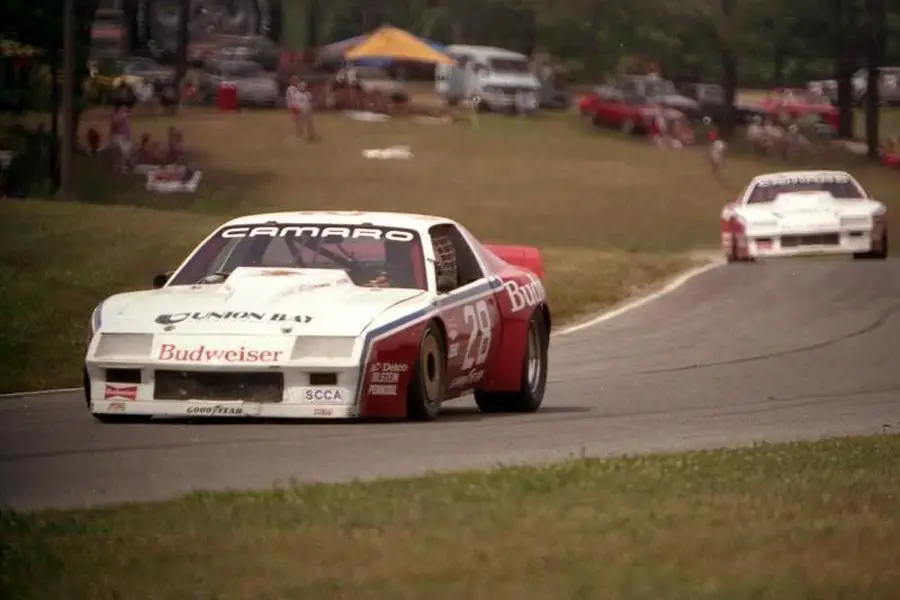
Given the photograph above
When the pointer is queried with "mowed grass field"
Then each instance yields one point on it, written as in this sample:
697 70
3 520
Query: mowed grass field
612 215
804 521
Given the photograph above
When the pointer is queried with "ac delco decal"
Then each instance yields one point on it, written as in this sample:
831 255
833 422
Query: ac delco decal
231 315
202 354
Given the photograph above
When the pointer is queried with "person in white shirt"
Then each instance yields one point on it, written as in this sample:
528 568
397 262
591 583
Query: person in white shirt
299 102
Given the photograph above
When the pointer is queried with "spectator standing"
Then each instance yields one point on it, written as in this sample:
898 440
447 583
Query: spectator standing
299 102
120 136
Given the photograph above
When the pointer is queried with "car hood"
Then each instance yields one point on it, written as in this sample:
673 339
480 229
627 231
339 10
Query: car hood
255 301
801 207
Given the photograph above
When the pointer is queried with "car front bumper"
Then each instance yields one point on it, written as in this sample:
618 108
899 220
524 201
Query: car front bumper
313 389
809 243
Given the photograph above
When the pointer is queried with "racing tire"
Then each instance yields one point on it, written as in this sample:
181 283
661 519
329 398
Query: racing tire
426 388
628 127
875 254
528 397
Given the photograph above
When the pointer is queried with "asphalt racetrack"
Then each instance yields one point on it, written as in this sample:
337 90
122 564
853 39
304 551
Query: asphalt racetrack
743 353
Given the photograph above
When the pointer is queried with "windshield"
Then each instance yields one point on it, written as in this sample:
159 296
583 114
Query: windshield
509 65
242 69
660 88
838 186
371 256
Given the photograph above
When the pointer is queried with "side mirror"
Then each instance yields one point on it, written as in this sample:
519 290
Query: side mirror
445 284
161 279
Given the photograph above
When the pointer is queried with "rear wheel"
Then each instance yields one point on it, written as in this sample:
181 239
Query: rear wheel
533 383
426 389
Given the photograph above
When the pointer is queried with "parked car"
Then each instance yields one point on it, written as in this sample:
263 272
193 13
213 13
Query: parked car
554 92
374 80
257 49
798 102
711 98
607 107
143 75
652 89
889 86
255 87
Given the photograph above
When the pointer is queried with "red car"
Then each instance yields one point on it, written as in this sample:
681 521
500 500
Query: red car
798 102
610 108
332 315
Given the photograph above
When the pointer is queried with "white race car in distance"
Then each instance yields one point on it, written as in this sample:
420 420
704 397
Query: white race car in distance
802 213
325 315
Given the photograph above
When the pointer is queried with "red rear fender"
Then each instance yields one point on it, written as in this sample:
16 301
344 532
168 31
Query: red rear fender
527 257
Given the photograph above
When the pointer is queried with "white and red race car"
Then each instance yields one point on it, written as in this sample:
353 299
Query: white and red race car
325 315
798 213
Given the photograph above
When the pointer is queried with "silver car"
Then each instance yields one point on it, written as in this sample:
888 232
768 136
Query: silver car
889 86
255 87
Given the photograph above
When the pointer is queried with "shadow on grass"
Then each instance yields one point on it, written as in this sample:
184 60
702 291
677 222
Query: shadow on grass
220 190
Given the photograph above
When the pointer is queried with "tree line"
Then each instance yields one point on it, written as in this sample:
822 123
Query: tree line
738 43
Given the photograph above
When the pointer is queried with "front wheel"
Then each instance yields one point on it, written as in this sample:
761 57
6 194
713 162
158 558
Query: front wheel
533 382
880 254
426 389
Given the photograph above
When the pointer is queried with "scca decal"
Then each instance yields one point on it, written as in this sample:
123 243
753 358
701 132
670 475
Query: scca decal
326 395
313 231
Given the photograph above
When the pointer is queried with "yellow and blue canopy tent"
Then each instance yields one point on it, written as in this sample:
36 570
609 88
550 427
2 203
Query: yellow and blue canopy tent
396 44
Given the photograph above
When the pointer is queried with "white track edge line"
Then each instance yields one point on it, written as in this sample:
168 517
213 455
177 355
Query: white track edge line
637 303
38 393
641 300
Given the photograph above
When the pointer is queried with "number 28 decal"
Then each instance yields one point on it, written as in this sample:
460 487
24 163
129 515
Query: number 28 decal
479 346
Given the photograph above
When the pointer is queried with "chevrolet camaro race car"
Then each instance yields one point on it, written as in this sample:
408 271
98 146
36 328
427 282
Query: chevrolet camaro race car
325 315
801 213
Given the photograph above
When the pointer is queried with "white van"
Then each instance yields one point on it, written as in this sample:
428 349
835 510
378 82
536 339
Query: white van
495 75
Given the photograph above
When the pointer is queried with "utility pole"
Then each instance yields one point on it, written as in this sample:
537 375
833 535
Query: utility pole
68 99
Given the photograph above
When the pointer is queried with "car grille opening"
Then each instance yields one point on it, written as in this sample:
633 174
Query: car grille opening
206 385
323 379
123 375
820 239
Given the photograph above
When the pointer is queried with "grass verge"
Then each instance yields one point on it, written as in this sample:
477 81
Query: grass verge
802 521
612 215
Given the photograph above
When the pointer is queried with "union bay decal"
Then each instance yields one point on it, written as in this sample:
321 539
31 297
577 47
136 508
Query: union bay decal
230 315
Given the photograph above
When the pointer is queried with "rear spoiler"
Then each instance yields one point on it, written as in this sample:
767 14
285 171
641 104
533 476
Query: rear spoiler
527 257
